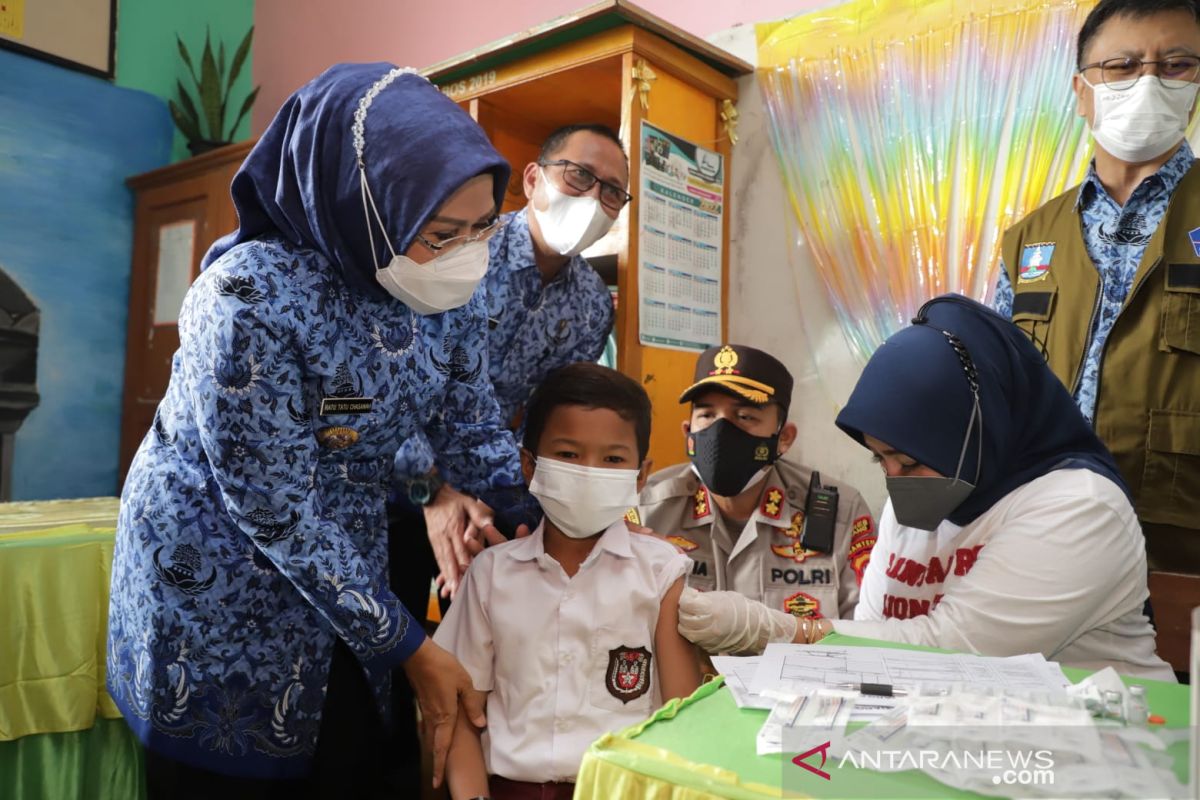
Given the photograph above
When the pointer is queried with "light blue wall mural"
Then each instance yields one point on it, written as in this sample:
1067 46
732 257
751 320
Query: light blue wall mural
67 143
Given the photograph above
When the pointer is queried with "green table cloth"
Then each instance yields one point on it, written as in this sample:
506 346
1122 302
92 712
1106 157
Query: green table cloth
704 747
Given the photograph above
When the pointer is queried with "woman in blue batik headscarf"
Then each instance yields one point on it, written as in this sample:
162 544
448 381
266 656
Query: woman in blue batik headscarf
251 626
1008 528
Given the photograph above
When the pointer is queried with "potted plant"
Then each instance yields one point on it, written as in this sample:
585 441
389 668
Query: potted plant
202 121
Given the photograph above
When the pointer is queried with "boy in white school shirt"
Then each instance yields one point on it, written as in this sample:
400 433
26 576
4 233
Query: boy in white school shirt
571 631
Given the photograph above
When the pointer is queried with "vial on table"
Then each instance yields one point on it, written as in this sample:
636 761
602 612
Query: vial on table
1138 710
1114 706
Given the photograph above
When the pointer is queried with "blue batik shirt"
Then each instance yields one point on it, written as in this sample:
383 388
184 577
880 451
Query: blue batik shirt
1116 238
252 531
533 328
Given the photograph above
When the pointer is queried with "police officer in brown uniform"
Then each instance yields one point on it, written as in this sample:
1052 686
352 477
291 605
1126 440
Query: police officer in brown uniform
771 530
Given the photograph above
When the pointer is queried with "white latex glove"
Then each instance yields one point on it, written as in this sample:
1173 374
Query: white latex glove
728 622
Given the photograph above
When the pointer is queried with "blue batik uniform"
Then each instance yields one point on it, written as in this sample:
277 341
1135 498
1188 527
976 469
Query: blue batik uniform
533 329
1116 237
241 497
252 535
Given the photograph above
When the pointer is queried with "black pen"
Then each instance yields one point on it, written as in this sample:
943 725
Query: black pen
874 689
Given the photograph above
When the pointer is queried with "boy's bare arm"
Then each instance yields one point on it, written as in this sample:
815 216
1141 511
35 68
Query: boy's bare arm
678 670
466 772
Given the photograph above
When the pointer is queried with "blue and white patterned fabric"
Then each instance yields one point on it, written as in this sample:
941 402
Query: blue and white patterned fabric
533 329
252 531
1115 237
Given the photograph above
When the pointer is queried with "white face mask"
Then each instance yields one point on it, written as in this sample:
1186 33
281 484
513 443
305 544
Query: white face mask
441 284
570 224
444 282
583 501
1142 122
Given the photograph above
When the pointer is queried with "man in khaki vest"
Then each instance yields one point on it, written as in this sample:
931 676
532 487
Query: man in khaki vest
749 520
1105 279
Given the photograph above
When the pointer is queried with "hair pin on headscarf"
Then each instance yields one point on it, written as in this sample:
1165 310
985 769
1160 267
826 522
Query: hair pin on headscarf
358 129
968 367
360 114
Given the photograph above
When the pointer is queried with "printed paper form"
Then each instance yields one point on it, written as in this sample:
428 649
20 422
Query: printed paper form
739 674
795 666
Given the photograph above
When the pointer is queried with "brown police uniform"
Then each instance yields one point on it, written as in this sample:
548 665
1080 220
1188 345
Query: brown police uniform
763 558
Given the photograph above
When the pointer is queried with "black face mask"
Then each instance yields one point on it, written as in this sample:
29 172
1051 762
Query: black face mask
727 458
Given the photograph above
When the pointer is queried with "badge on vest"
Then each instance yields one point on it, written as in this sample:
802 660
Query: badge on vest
793 551
1035 262
337 437
628 675
802 605
346 405
1194 237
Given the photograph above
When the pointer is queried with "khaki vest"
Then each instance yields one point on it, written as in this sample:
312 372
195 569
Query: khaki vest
1148 400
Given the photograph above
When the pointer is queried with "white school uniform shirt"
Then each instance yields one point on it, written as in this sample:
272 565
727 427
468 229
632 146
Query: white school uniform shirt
564 660
1057 566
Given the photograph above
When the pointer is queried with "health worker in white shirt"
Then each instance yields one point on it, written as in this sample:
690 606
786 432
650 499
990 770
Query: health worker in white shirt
1007 529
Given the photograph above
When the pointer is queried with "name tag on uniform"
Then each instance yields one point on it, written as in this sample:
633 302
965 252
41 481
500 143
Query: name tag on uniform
346 405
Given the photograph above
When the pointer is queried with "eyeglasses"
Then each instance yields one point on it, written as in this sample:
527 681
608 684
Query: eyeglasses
1120 74
581 179
482 235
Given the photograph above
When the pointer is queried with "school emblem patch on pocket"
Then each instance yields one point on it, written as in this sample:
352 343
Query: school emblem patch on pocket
628 676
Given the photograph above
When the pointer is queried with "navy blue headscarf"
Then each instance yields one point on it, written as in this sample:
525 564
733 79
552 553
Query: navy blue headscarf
301 180
914 395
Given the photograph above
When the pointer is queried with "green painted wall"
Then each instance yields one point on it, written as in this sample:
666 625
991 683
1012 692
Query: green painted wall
148 58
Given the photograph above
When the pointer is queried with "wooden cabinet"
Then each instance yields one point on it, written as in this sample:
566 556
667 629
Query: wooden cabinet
611 63
615 64
180 211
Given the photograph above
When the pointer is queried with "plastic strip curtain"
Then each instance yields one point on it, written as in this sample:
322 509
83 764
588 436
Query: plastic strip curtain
910 135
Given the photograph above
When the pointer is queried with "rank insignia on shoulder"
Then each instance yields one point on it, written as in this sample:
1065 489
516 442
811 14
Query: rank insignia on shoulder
628 674
772 503
1035 262
802 605
700 504
686 545
337 437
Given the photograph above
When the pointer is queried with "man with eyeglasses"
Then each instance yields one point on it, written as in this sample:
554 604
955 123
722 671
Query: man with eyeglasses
1105 279
546 308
